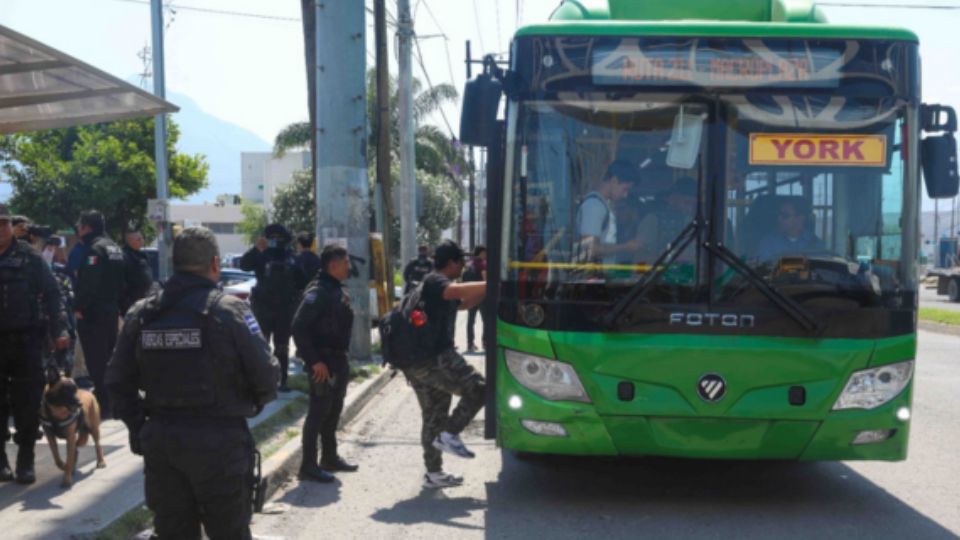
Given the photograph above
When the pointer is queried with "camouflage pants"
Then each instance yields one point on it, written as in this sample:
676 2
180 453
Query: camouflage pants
435 383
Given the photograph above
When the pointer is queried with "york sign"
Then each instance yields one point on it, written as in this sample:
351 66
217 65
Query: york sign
820 150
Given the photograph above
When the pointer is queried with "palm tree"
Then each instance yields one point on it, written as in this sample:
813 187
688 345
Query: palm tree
435 152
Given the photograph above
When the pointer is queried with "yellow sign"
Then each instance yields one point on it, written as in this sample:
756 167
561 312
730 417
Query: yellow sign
810 149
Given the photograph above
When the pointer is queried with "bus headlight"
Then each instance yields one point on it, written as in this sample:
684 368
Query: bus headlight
556 381
870 388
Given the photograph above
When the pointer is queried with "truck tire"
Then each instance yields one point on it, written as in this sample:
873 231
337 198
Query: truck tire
953 289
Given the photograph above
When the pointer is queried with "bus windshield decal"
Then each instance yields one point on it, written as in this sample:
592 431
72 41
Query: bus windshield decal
790 149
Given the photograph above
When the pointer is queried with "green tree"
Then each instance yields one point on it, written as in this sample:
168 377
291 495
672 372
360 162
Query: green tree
254 221
293 204
56 174
439 207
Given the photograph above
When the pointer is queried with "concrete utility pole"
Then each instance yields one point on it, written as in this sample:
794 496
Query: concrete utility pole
340 166
165 234
408 221
383 136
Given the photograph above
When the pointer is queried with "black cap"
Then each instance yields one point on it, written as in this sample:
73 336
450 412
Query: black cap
4 213
276 230
448 250
624 170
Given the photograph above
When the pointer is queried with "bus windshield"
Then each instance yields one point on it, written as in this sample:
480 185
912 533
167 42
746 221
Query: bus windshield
614 190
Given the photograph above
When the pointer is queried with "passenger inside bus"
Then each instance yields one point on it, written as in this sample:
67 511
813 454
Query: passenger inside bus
596 220
674 212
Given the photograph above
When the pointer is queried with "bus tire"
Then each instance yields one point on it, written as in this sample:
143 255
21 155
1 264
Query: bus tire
953 289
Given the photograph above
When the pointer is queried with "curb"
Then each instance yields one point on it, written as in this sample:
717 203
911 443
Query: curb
939 328
285 462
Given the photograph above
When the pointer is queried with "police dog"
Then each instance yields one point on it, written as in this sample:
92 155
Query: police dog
70 413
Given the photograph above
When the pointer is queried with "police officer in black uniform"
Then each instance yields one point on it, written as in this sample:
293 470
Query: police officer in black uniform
97 300
28 295
137 275
279 283
322 328
203 367
417 269
308 261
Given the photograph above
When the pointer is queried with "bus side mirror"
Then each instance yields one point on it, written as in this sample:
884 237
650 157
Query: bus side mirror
478 119
938 153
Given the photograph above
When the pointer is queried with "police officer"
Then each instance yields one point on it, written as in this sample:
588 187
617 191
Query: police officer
203 367
308 261
321 329
275 297
137 275
417 269
28 295
97 302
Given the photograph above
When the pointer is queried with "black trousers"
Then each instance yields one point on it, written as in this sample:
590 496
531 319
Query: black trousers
276 323
21 386
98 337
323 415
198 474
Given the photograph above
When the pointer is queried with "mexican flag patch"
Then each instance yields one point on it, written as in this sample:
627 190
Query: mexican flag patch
92 260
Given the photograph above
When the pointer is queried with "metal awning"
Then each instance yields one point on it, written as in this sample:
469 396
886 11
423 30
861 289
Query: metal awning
42 88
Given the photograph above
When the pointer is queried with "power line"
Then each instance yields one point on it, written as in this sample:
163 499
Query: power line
476 19
426 75
446 41
210 11
945 7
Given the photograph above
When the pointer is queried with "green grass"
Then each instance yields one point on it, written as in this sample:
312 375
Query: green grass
942 316
128 525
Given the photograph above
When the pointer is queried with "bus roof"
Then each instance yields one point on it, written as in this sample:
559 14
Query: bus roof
708 18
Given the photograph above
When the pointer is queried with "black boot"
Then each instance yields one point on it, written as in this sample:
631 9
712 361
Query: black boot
6 475
337 465
25 474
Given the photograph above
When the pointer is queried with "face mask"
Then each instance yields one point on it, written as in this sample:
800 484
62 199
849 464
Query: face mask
273 244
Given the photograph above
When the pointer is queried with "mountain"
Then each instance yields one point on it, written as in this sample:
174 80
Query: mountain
217 139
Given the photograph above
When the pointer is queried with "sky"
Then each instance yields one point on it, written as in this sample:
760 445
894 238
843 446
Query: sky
248 70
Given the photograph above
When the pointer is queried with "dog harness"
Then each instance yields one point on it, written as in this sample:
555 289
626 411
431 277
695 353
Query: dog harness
59 428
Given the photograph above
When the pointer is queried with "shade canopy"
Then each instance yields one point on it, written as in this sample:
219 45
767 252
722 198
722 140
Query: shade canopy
43 88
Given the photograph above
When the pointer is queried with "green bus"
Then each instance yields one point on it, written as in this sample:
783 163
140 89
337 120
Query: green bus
703 221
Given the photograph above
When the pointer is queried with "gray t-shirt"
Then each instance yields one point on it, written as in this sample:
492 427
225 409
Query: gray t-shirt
596 219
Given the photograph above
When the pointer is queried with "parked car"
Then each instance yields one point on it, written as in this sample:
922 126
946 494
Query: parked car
237 282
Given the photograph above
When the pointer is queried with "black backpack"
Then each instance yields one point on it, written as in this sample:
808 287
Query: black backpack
407 333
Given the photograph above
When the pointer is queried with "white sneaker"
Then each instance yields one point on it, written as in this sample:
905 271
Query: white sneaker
435 480
450 443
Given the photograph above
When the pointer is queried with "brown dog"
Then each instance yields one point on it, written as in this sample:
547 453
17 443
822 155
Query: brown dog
70 413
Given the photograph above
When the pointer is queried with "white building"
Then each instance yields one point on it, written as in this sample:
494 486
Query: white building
261 174
223 220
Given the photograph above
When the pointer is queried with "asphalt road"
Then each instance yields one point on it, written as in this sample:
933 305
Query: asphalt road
505 497
930 298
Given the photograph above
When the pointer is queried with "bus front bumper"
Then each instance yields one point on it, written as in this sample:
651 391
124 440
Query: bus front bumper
529 423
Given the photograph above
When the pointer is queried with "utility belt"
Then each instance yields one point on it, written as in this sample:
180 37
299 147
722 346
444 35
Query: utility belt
199 421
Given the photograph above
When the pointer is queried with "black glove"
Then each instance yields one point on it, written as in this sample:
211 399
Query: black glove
133 433
135 443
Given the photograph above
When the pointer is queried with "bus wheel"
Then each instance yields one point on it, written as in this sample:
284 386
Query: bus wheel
953 289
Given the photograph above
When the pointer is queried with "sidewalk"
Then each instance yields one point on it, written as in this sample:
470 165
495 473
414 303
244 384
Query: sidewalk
98 497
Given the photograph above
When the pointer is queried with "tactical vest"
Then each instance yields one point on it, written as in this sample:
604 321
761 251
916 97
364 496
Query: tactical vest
278 287
175 354
19 308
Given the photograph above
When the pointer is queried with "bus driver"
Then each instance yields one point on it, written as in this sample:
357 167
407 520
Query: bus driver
596 222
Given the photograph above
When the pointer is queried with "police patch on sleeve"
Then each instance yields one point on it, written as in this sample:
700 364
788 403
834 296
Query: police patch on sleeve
171 340
252 323
310 297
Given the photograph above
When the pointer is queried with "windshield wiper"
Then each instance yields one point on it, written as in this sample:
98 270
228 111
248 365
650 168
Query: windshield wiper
642 287
636 293
797 312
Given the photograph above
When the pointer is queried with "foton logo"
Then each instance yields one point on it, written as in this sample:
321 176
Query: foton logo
809 149
725 320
